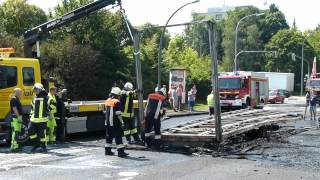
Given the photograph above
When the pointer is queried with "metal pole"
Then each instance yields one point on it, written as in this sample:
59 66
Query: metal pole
302 51
236 38
215 81
139 78
161 39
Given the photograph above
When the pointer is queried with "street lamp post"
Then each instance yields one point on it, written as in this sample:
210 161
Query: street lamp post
236 38
294 56
161 38
302 54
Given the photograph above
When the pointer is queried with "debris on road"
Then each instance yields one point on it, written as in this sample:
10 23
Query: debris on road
202 131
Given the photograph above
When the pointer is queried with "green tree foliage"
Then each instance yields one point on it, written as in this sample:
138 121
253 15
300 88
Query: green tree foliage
149 44
314 40
285 42
197 35
180 55
76 66
12 41
16 16
248 39
102 33
273 21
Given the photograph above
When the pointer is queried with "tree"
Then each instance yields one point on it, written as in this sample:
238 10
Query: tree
102 33
17 16
314 40
180 54
273 21
286 42
76 67
197 35
248 39
149 44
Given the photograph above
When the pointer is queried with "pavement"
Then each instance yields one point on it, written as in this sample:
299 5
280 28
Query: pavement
83 158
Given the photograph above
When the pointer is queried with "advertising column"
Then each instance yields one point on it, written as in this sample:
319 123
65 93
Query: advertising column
178 77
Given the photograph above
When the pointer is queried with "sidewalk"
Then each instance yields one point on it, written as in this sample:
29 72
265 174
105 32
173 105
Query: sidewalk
171 114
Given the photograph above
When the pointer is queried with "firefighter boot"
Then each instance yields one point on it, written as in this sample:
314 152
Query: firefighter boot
43 147
121 153
108 151
35 148
157 144
148 142
128 137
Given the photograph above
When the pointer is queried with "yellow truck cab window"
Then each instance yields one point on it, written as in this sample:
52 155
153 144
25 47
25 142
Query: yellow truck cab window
8 76
28 76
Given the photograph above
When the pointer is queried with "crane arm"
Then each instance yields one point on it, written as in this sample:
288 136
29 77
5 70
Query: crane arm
32 36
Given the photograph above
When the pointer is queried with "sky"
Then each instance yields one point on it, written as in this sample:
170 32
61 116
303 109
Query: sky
305 12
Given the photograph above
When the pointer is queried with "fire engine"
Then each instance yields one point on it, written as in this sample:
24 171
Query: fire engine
243 89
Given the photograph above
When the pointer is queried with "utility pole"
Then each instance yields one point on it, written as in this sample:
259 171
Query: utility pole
215 81
136 42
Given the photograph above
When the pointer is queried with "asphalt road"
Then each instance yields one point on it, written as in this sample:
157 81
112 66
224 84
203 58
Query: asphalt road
83 158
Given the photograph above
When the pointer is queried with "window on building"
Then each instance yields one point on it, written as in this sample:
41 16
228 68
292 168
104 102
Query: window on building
28 76
218 17
8 76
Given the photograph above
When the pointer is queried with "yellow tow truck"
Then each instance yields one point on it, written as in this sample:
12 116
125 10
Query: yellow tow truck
72 117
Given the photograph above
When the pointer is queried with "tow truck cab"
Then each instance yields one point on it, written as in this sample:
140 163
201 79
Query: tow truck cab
16 73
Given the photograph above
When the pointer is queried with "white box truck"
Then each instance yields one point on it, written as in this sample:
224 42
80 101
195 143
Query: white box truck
280 80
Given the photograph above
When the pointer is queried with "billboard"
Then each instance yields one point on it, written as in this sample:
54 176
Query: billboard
177 77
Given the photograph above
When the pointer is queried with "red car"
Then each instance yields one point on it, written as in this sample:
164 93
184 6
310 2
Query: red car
276 97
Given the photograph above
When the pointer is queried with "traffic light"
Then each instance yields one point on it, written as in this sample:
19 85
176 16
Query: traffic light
293 57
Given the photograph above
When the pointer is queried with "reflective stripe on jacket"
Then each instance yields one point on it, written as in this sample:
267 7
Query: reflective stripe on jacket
52 103
40 109
127 106
113 111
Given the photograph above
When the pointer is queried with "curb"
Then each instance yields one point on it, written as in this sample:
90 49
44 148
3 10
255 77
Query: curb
172 115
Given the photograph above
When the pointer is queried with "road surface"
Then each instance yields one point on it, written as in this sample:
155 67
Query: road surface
83 158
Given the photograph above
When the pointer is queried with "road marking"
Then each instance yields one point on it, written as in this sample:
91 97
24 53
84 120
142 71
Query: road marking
8 167
27 157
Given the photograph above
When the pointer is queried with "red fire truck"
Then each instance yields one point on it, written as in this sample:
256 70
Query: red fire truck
242 89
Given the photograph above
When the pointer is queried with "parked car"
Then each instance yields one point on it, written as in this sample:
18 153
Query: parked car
276 97
286 93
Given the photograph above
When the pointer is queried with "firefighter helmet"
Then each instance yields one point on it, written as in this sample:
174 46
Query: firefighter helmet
128 86
38 86
116 91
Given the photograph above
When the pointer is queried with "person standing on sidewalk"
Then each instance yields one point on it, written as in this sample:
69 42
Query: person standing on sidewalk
191 101
210 102
313 107
179 95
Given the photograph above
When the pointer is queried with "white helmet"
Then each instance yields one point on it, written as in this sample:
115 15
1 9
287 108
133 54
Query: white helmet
116 91
38 86
128 86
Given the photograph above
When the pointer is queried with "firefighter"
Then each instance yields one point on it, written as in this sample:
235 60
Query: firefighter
153 113
52 124
127 113
114 123
16 118
39 117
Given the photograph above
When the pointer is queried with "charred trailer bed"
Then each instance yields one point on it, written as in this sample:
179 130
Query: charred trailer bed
202 131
